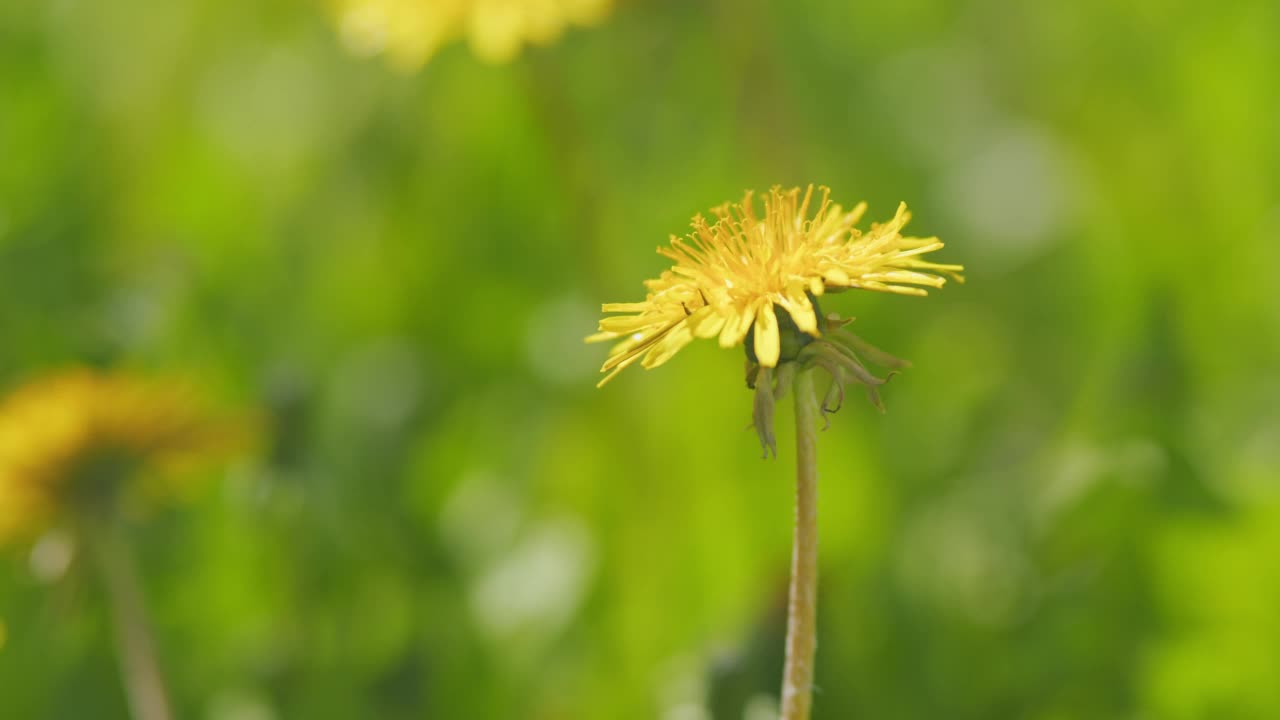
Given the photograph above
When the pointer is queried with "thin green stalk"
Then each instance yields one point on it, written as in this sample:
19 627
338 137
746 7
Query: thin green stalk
139 668
802 605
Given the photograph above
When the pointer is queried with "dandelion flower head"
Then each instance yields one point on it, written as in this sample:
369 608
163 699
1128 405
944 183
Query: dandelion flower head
732 275
411 31
74 434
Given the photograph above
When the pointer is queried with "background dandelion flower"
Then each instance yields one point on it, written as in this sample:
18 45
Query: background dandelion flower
411 31
731 275
77 434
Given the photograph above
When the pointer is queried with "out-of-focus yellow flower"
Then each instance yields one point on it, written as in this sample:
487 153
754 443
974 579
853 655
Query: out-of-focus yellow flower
411 31
732 274
73 438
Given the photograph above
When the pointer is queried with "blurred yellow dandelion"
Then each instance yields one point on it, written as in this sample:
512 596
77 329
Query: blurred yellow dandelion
731 275
73 435
411 31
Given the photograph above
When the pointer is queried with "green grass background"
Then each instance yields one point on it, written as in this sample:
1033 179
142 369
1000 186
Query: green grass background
1071 509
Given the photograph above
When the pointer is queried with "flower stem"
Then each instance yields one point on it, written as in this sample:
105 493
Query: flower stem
135 649
802 606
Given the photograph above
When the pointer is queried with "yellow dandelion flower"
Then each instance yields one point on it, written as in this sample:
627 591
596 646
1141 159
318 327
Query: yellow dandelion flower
72 436
411 31
729 280
732 275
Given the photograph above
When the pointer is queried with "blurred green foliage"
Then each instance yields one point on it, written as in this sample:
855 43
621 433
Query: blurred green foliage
1071 509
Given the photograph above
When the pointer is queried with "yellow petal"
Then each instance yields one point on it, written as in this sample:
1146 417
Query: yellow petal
907 276
668 346
797 304
737 325
633 307
627 324
927 247
616 370
706 323
855 214
900 219
767 343
836 276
